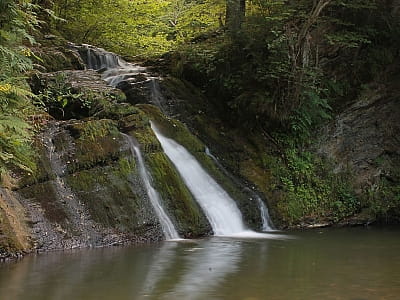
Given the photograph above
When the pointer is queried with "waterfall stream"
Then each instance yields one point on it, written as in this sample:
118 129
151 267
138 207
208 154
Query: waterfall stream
168 227
220 209
266 221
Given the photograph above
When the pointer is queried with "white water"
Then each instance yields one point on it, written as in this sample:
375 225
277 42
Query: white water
124 71
266 221
266 224
114 68
168 227
219 208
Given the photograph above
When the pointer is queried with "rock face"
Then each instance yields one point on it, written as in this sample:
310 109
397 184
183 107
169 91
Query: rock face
87 192
364 133
364 140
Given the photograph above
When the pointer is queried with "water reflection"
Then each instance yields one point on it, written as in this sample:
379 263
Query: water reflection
206 267
190 270
354 264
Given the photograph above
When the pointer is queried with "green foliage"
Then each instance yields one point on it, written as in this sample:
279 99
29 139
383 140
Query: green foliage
313 111
382 199
17 19
277 71
311 192
146 28
14 143
59 96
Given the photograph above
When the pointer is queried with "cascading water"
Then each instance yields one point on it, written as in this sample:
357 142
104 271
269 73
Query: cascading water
220 209
114 69
266 221
168 227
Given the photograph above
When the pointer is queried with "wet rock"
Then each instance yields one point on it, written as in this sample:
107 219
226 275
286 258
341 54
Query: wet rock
363 140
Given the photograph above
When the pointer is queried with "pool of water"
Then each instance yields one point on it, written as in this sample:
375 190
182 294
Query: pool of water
355 264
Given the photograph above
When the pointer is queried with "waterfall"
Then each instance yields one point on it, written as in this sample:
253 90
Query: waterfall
97 58
168 227
114 69
266 221
220 209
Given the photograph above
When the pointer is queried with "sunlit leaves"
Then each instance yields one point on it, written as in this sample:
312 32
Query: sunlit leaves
146 28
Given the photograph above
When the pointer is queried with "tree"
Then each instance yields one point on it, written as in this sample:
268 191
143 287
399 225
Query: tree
235 13
299 50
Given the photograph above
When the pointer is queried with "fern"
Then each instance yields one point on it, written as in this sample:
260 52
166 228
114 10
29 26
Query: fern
17 20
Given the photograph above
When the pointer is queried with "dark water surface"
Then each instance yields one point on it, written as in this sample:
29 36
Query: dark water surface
351 264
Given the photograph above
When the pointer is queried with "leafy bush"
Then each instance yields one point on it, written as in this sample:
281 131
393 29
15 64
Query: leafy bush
311 192
17 18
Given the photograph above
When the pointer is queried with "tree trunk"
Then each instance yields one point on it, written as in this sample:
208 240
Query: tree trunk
235 12
301 49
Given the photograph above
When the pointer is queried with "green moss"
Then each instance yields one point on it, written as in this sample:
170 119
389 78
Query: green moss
177 199
179 132
173 129
40 172
108 194
382 200
115 111
96 142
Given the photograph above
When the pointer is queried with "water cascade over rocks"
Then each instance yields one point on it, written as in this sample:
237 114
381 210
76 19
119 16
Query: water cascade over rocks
168 227
266 220
221 210
131 78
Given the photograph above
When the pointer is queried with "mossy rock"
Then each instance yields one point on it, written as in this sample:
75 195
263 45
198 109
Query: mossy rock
114 196
15 235
179 132
179 203
40 172
116 111
54 53
137 120
95 142
190 219
53 59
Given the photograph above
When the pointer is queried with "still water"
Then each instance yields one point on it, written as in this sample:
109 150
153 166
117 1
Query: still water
320 264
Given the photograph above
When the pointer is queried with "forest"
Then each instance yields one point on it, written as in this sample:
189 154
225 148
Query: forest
273 70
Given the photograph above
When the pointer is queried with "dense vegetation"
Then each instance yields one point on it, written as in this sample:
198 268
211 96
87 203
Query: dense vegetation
17 20
278 68
279 63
